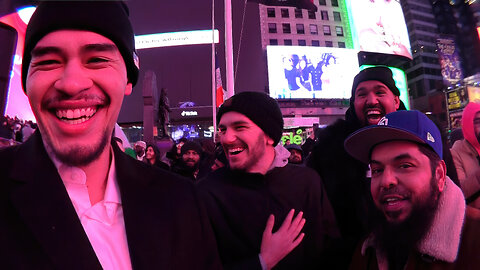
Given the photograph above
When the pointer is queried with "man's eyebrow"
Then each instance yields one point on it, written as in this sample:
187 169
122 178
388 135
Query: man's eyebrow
396 158
41 51
100 47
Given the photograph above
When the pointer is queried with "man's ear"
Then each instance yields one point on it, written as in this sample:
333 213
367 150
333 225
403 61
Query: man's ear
128 89
441 175
268 140
397 102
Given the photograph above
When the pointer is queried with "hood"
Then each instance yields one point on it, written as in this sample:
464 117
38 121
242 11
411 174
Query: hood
467 124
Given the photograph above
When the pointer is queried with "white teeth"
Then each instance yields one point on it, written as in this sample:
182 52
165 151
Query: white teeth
76 113
373 112
76 116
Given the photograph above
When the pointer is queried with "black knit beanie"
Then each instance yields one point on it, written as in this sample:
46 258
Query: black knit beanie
379 73
107 18
258 107
190 145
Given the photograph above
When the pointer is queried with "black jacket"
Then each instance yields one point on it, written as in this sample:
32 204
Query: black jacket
39 228
239 204
345 182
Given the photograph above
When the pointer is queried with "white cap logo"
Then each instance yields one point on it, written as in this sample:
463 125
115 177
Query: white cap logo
430 137
383 121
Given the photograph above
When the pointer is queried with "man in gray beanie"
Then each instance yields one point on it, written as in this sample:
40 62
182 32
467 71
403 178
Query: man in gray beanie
71 199
258 190
374 94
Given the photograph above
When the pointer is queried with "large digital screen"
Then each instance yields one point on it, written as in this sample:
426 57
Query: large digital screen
17 101
311 72
379 26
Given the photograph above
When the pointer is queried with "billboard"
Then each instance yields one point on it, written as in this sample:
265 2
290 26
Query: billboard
311 72
379 26
449 59
17 102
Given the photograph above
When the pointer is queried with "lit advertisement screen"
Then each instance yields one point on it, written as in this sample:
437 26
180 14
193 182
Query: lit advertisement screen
400 81
311 72
379 26
17 101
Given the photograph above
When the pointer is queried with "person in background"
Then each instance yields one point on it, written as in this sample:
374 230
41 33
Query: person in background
139 148
152 157
374 94
466 156
296 154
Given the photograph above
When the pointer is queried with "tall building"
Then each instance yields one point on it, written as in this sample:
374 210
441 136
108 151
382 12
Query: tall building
423 72
328 27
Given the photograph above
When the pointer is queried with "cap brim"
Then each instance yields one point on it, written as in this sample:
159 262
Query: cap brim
359 145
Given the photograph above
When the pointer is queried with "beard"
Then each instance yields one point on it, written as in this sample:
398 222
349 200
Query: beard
80 155
255 155
397 240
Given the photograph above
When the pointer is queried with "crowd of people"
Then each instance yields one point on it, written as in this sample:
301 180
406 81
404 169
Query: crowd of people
14 130
371 191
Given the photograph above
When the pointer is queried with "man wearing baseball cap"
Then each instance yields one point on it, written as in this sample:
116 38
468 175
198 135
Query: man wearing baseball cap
258 191
70 198
374 94
421 221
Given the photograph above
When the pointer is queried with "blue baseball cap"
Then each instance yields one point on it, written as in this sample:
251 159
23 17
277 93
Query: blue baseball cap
411 126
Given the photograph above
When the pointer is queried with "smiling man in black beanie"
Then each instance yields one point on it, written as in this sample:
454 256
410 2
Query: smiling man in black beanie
259 190
70 199
374 94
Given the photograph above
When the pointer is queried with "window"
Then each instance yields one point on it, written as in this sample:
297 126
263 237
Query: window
300 29
311 15
286 28
328 43
273 42
284 12
334 3
271 12
298 13
336 16
322 2
316 43
339 31
341 44
324 14
287 42
272 28
326 30
313 29
302 42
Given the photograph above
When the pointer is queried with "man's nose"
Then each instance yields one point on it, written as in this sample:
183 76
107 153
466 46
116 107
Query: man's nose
372 98
74 79
228 136
388 179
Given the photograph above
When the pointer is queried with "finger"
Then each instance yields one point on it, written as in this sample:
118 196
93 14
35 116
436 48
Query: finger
296 221
288 220
299 228
297 241
269 227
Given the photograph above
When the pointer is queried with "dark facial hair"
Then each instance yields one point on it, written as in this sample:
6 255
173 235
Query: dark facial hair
398 240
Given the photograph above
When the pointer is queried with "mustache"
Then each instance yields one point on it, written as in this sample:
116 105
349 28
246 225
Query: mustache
374 106
394 191
81 96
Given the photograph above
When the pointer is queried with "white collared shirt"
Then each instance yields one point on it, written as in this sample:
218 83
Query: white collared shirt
103 222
